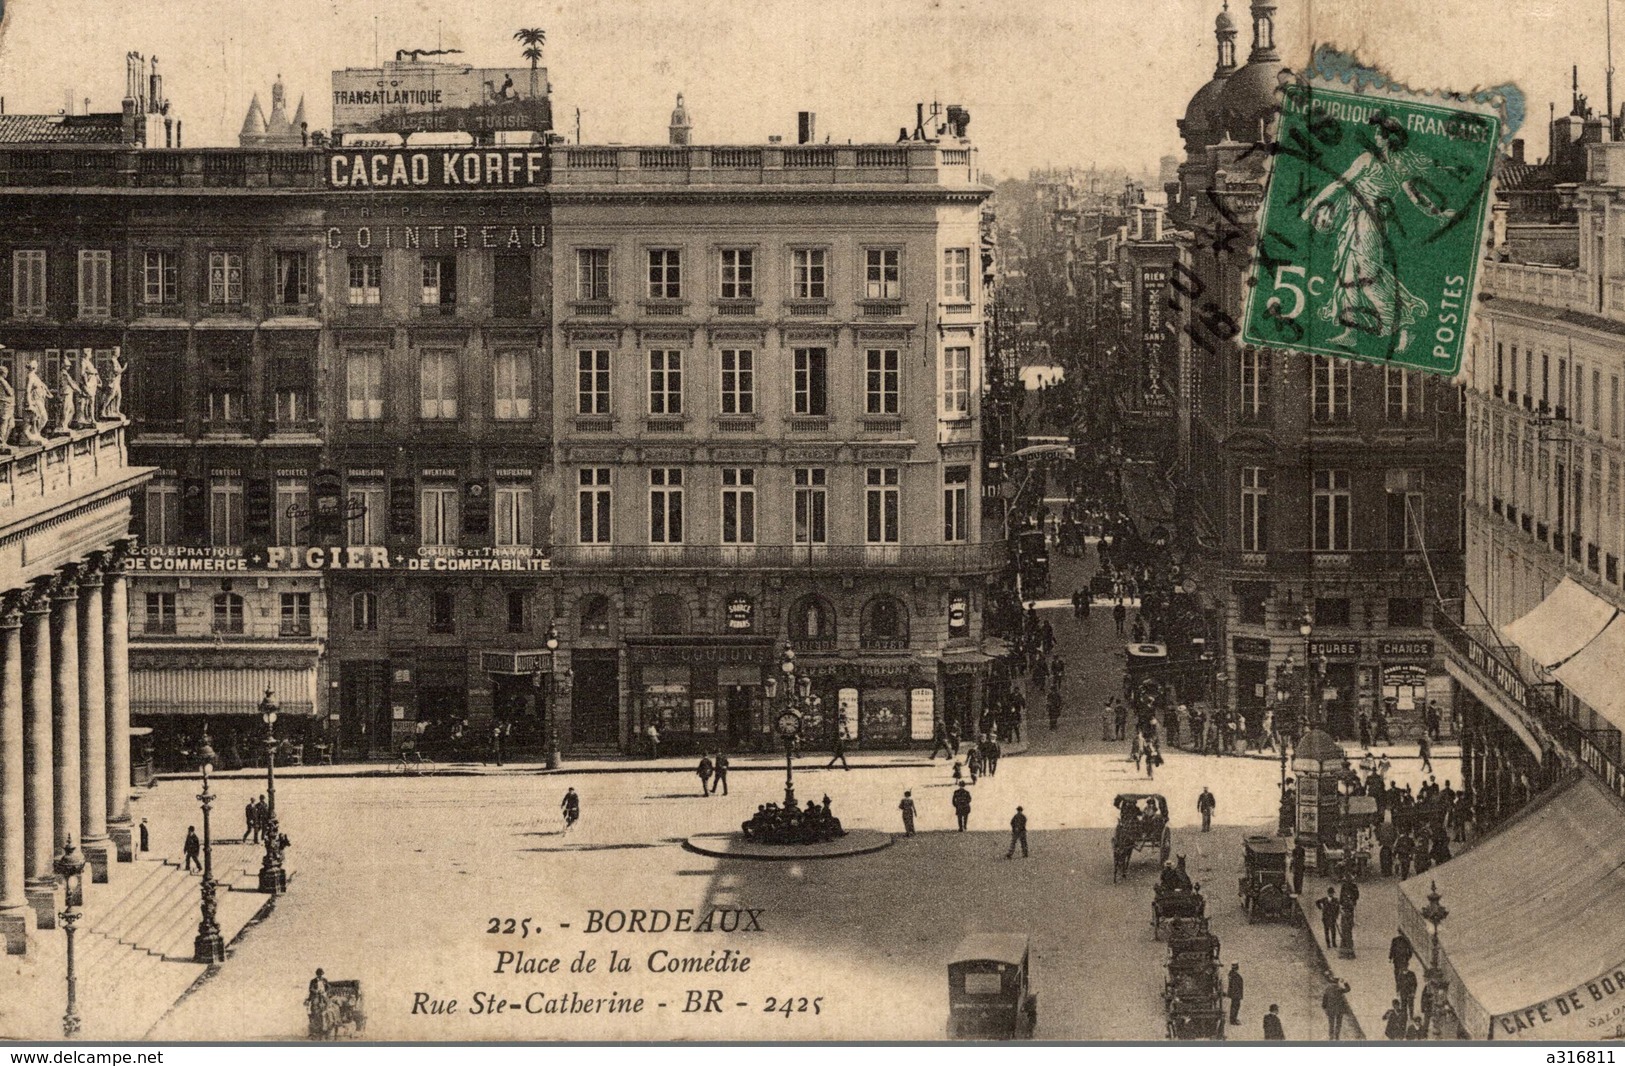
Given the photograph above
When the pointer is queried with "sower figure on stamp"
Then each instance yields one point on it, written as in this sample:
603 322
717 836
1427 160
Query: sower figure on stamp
1367 295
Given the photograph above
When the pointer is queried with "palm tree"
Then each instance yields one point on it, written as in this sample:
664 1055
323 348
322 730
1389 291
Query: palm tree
532 39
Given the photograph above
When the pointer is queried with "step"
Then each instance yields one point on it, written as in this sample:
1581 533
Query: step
182 895
154 900
152 879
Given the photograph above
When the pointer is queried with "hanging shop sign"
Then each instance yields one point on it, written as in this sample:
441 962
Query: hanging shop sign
741 612
1405 649
1334 649
958 613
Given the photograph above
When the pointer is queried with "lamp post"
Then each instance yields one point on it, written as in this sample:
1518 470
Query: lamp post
273 878
789 723
552 696
70 866
1306 627
208 946
1435 914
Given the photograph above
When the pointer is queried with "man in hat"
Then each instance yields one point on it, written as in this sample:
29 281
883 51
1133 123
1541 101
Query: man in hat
1234 987
1205 803
1018 834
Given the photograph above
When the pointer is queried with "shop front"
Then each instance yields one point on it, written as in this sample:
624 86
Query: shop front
881 703
701 693
1252 655
180 689
1337 672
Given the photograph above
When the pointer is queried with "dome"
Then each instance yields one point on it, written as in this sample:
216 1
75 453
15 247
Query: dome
1224 22
1201 125
1249 97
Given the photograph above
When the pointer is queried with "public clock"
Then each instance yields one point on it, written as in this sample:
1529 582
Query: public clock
789 724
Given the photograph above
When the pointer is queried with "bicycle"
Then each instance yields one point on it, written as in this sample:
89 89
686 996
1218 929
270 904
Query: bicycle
414 762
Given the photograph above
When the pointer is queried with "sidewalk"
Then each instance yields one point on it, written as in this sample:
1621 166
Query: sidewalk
1369 973
601 764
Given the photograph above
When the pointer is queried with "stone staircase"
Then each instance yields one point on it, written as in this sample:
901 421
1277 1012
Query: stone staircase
133 954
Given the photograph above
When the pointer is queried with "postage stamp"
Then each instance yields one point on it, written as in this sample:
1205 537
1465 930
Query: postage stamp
1373 221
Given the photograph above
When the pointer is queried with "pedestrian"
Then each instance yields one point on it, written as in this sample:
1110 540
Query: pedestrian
1106 722
719 782
973 763
1018 834
496 743
1233 987
253 829
1399 953
1057 671
1119 616
1329 909
1395 1022
1386 835
840 749
1402 855
907 807
1136 750
653 733
1083 611
191 849
1334 1001
1153 759
959 772
1120 716
146 839
991 751
262 817
1205 803
1405 984
1272 1024
570 807
962 806
940 735
1349 897
953 739
1424 751
705 770
1054 706
1298 861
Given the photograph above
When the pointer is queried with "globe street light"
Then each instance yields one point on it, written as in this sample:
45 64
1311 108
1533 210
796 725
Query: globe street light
552 695
70 866
789 724
207 947
273 878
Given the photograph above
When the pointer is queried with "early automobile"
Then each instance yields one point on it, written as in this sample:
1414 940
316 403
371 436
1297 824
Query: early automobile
988 993
1142 822
1266 890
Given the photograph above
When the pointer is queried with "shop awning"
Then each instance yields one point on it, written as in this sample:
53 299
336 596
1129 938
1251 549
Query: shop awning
1579 638
1533 944
222 690
1568 619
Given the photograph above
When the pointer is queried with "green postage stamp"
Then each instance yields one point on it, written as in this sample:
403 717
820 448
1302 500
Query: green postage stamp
1373 221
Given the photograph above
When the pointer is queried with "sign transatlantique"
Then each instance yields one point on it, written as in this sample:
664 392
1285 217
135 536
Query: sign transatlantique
436 168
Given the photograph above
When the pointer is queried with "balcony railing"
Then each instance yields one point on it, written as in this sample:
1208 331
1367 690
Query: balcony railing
949 558
31 475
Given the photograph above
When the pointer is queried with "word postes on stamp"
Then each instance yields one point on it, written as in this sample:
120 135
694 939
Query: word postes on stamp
1372 226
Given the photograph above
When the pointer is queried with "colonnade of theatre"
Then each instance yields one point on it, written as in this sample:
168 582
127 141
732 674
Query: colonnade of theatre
64 734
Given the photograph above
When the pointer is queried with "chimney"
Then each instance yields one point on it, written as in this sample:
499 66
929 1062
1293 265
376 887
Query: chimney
1517 149
806 127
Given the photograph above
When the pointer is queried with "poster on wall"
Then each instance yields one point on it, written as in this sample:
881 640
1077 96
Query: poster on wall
922 713
885 718
705 716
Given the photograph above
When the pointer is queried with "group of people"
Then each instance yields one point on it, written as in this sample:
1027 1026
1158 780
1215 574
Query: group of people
1406 1019
981 758
773 824
1336 907
257 815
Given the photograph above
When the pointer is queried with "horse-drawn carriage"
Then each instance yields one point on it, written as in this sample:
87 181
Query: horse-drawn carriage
1266 890
1193 995
1142 822
335 1008
1172 904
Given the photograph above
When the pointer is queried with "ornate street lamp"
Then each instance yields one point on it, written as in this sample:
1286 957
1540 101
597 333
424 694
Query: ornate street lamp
789 723
207 947
1435 914
1306 626
552 695
273 878
70 866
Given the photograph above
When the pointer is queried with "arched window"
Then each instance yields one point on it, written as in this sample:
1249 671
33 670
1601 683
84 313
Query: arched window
228 613
595 616
667 615
812 618
364 612
885 620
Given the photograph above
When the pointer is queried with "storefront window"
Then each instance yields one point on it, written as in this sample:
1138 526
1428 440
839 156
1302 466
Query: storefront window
812 619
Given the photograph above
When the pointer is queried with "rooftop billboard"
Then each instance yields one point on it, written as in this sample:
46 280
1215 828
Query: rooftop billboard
409 96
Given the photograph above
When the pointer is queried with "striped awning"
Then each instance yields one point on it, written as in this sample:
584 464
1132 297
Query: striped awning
222 690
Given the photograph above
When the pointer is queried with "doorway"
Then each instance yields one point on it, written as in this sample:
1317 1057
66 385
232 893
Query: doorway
596 697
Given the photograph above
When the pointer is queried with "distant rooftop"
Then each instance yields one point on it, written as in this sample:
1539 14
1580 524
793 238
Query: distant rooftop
62 129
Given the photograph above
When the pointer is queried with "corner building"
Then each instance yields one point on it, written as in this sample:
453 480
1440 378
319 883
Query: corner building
767 428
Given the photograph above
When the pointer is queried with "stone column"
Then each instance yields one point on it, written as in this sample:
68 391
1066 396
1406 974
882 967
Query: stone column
65 702
116 648
39 823
13 831
92 725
